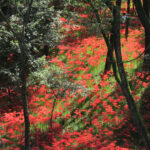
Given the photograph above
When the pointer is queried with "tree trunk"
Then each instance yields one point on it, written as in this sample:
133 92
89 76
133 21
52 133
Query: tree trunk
109 57
51 118
109 60
144 16
124 83
146 64
23 69
146 6
25 110
127 22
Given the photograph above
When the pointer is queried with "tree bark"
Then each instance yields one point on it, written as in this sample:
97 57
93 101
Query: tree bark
109 57
52 112
24 95
124 83
127 22
146 6
109 60
144 16
25 110
146 64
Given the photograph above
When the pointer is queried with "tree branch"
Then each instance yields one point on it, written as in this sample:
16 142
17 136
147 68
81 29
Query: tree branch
106 37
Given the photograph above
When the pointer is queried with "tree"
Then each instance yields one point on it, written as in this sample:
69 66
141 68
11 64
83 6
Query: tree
144 16
124 83
22 33
127 22
122 80
107 38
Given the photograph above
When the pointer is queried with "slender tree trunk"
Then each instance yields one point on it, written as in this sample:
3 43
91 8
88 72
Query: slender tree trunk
25 110
24 94
109 57
51 119
127 22
124 83
133 8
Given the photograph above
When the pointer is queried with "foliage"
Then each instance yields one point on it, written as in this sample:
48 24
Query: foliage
54 77
90 111
40 28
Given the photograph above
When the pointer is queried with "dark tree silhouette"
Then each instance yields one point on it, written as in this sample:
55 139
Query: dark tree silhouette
144 16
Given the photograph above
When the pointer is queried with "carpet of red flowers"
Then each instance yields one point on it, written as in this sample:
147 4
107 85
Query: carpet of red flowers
98 121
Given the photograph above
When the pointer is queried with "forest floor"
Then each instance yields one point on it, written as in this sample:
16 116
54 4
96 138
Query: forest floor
93 115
